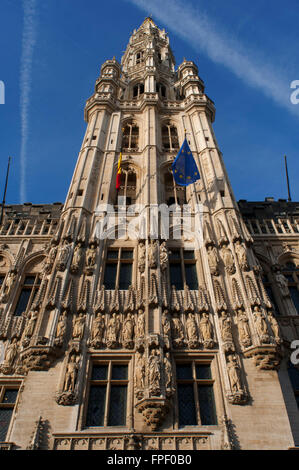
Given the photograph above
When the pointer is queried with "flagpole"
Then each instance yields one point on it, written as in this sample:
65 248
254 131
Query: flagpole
5 188
287 175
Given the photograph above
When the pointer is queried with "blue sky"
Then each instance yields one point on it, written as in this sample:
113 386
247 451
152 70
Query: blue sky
51 53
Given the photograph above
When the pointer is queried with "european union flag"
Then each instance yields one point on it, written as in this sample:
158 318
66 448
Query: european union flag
184 168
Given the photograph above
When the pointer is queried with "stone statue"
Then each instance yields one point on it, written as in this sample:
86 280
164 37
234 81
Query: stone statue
282 283
213 260
226 327
77 256
206 328
50 258
10 353
61 327
140 326
71 374
274 326
98 328
64 253
29 328
242 255
141 256
128 331
91 255
139 371
243 328
154 372
260 324
163 256
177 330
152 253
168 371
8 285
191 327
78 326
228 260
166 327
113 331
234 375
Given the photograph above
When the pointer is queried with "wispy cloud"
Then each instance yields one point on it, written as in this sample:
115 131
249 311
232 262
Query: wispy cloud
28 43
204 35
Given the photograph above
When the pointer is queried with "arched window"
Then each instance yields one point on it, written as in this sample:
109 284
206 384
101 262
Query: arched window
127 190
161 89
130 136
291 272
138 90
27 294
173 194
170 140
139 57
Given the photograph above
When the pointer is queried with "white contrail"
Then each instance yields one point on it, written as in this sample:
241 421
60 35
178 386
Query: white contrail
28 43
196 28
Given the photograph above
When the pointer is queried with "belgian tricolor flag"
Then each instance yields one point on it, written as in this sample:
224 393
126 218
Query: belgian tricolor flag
118 174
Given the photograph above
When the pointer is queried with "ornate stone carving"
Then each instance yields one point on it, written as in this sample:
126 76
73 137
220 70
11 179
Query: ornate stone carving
29 327
260 325
226 332
6 289
77 256
237 394
90 257
154 372
68 396
97 332
282 283
153 410
139 375
153 247
206 330
9 357
128 332
63 255
213 260
242 255
163 256
192 331
113 330
243 328
228 259
78 327
177 331
274 327
141 256
140 324
168 374
61 329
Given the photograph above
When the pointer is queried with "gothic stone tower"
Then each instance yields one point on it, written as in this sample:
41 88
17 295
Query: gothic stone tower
135 338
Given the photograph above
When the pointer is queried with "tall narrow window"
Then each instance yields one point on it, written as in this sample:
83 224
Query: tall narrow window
182 266
127 191
173 193
291 272
8 397
138 90
294 378
268 288
161 89
170 140
130 136
118 269
107 402
196 404
30 287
